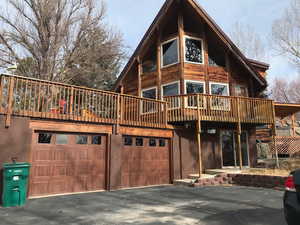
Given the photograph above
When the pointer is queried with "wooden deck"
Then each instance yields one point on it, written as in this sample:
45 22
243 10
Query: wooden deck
20 96
219 109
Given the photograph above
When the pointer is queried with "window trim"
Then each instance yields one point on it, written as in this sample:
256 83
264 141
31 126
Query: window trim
148 89
162 52
204 92
202 50
226 84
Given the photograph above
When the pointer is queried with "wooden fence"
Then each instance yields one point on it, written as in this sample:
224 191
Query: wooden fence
34 98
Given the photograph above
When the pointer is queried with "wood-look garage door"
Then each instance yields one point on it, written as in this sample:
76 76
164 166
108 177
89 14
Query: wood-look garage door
67 163
145 161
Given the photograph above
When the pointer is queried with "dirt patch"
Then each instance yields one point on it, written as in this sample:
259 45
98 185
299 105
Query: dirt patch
267 172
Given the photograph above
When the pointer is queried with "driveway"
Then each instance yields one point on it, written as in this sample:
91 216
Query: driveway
158 205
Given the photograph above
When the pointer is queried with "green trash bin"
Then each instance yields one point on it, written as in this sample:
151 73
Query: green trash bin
15 182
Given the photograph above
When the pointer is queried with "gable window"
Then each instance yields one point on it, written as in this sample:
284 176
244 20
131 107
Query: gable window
149 93
193 50
195 87
170 54
149 63
216 58
218 102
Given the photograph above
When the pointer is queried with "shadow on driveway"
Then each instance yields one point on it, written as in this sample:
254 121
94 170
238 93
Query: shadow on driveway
153 206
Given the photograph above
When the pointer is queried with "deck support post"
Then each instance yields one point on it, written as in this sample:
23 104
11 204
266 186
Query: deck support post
274 136
199 135
239 146
199 146
1 90
10 102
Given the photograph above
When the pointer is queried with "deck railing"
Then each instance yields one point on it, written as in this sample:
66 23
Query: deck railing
219 108
34 98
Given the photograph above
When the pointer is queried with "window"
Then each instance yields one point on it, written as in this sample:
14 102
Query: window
162 142
44 138
139 141
170 52
61 139
171 89
195 87
128 141
149 93
152 142
96 140
81 139
216 58
218 102
193 50
219 89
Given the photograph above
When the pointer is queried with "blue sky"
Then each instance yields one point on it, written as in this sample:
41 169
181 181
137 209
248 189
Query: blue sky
133 17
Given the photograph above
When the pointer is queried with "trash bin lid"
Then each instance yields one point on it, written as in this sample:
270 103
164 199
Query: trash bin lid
16 165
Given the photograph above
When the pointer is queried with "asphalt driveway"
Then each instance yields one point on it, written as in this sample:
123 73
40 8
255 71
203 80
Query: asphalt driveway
158 205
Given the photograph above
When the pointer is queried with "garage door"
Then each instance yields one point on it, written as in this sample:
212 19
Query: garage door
67 163
145 161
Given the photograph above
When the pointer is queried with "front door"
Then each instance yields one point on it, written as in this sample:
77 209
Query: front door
228 148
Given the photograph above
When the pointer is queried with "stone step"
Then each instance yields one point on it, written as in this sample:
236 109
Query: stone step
184 182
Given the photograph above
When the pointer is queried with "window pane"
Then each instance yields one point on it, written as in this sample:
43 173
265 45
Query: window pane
81 140
162 142
171 90
193 50
170 53
128 141
193 87
152 142
219 89
61 139
44 138
139 142
96 140
150 93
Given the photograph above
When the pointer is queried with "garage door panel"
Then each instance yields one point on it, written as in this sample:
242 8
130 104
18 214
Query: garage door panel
144 165
68 167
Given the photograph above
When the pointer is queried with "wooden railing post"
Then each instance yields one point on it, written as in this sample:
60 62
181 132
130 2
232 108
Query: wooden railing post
118 114
10 102
165 106
71 103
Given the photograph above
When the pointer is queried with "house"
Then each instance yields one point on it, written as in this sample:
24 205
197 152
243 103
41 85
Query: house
187 101
210 86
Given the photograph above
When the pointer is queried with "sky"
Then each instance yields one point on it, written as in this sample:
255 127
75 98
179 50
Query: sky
133 17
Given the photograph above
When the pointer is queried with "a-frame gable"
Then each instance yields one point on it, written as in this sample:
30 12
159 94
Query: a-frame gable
231 47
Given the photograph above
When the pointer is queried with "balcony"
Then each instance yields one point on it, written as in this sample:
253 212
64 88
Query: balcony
21 96
219 109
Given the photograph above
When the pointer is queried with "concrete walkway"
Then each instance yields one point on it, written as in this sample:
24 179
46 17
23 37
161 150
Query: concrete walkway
153 206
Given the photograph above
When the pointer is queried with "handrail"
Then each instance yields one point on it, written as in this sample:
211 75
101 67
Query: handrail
219 108
45 99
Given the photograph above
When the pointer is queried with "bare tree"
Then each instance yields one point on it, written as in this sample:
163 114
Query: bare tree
286 91
248 41
286 33
59 40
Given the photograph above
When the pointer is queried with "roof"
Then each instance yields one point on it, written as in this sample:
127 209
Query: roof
259 64
286 109
201 12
